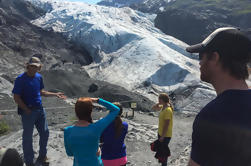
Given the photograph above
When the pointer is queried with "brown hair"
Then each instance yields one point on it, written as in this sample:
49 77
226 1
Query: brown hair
83 109
166 99
237 68
118 121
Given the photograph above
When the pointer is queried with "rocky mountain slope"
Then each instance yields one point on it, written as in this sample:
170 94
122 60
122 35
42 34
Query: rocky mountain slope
192 20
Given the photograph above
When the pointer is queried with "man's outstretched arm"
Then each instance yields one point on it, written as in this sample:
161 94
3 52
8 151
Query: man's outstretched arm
48 94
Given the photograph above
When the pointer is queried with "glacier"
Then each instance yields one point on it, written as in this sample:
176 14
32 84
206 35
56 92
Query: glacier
119 3
123 3
126 47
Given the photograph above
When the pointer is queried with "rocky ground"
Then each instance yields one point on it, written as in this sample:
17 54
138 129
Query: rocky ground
142 131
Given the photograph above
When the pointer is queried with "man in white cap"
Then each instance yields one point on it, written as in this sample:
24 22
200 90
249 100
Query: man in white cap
222 130
27 91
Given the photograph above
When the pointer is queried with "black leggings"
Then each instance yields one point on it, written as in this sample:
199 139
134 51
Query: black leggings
166 141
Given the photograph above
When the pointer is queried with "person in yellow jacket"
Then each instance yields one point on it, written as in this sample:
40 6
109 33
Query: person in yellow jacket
165 119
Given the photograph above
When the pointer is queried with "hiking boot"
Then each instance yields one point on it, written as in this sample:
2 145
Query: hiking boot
43 160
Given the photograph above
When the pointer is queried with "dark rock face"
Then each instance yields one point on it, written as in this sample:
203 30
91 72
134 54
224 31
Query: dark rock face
93 88
192 21
190 27
193 27
77 84
21 8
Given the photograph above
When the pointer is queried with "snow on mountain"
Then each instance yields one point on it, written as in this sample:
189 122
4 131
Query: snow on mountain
118 3
123 3
126 47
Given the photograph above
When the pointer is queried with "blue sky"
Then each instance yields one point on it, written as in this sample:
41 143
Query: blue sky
87 1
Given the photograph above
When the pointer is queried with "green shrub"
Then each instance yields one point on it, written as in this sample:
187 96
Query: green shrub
4 128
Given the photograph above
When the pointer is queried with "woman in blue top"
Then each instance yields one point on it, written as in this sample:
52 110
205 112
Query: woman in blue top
82 139
113 148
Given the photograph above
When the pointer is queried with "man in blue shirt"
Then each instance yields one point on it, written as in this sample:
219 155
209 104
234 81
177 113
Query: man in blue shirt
222 130
27 91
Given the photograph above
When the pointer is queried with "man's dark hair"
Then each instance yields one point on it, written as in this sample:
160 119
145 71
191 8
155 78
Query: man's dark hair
237 68
11 158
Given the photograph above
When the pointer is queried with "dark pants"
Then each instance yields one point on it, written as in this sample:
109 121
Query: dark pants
37 118
166 141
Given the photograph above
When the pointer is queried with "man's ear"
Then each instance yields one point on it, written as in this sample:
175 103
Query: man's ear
39 69
215 58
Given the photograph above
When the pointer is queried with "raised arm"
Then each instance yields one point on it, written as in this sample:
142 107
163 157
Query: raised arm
157 107
48 94
114 111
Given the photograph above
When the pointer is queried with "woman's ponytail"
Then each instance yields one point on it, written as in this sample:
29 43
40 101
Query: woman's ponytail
118 124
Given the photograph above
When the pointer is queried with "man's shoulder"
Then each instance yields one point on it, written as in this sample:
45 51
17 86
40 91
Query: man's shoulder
212 106
227 102
20 76
38 75
24 76
67 129
211 110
